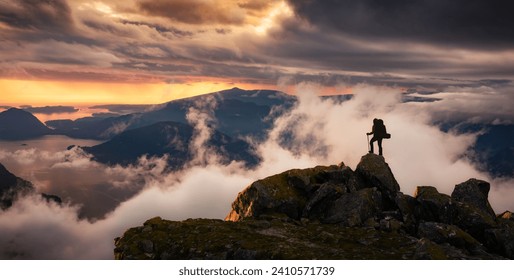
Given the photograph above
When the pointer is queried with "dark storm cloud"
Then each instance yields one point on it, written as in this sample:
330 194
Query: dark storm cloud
49 15
471 22
192 11
48 110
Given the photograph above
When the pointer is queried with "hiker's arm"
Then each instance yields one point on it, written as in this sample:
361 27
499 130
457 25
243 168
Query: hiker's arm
372 131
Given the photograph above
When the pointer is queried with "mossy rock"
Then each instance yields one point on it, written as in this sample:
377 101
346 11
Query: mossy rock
288 192
472 219
375 172
433 206
451 234
474 193
256 239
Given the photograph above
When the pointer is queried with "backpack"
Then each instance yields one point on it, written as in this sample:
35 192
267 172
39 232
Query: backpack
381 129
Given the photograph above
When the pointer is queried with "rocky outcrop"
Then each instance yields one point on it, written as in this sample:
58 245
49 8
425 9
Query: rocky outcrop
375 172
333 212
433 206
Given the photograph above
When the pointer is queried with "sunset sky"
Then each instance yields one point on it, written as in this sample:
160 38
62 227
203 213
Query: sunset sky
58 52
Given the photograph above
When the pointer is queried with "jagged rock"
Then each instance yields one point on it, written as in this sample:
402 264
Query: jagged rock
474 193
296 193
407 207
500 241
375 172
352 209
322 200
472 219
273 195
433 206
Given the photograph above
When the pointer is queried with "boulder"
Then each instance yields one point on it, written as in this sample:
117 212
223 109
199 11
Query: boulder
474 193
472 220
473 213
500 241
322 200
375 172
407 207
433 206
270 196
353 209
295 193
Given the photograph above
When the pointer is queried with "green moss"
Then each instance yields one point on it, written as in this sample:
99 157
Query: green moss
214 239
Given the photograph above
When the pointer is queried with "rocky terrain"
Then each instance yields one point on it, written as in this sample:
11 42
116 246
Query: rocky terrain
333 212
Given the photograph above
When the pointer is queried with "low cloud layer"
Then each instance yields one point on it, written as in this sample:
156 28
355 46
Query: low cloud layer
321 131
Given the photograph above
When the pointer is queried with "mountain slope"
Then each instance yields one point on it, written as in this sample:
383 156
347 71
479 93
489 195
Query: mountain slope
170 138
10 187
16 124
333 212
238 113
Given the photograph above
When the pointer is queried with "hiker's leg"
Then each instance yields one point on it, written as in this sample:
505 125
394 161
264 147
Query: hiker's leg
371 144
379 141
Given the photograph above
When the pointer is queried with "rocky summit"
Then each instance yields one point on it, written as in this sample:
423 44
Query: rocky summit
333 212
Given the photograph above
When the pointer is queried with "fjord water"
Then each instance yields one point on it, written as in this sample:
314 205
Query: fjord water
48 143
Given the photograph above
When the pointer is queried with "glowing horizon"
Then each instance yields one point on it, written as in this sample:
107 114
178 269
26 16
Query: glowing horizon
45 93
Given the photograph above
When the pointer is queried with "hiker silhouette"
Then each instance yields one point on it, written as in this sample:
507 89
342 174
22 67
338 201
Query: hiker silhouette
379 132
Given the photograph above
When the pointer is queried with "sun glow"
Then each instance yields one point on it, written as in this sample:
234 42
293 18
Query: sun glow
280 10
39 93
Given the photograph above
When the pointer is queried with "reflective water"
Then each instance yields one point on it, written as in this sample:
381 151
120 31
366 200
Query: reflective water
49 143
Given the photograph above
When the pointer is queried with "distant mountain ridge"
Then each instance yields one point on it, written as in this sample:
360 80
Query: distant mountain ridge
168 138
239 113
17 124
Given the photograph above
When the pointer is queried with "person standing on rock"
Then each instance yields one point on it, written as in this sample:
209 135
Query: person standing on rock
379 132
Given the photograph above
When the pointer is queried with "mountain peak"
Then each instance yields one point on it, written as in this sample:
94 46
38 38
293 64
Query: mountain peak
19 124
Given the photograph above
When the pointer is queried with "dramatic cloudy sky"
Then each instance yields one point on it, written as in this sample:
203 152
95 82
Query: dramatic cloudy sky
104 51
